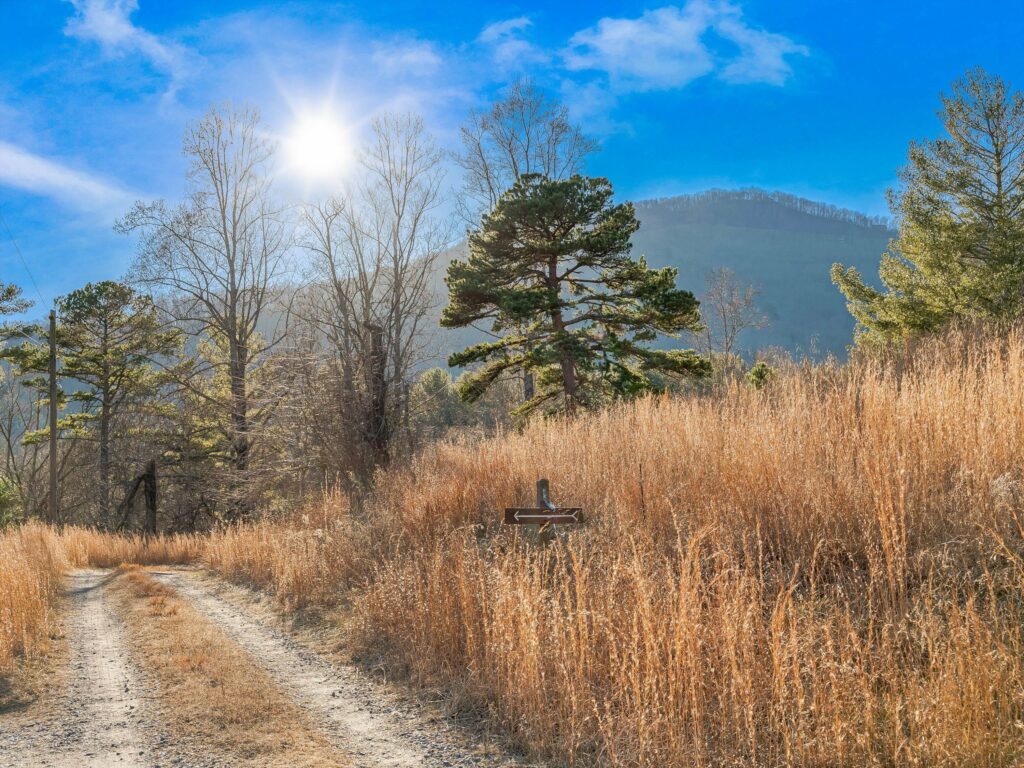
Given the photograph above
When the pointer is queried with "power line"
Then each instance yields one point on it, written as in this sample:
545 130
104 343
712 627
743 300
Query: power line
24 263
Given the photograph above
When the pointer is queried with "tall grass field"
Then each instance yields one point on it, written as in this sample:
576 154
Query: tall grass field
824 572
828 571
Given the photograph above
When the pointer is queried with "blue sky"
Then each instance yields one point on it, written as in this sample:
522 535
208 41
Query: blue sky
819 99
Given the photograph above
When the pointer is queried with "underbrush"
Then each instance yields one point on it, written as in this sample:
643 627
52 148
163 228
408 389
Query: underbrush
824 572
87 547
303 560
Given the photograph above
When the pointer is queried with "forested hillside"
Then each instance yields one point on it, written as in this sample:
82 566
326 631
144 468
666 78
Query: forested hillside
782 244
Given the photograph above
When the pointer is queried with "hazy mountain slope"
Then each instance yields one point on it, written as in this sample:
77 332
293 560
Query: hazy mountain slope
783 244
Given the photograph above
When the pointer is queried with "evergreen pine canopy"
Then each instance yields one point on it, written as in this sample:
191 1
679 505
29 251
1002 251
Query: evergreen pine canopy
550 267
960 212
11 300
108 339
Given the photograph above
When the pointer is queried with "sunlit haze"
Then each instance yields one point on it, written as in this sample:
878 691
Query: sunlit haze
318 148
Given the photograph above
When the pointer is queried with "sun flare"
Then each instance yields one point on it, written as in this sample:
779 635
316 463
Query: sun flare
318 147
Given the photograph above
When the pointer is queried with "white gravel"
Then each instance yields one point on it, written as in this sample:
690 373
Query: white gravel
98 720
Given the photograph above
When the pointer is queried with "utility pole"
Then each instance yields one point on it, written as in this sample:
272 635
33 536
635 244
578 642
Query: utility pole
53 512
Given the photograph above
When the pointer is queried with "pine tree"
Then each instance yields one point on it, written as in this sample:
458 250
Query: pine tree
550 267
108 337
960 213
11 303
11 300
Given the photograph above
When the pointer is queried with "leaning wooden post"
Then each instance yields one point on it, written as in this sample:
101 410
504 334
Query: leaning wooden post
545 532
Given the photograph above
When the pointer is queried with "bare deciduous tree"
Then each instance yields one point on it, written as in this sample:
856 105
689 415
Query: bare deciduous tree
728 307
373 249
526 131
24 465
217 260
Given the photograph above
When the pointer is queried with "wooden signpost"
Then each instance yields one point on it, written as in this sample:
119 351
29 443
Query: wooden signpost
545 513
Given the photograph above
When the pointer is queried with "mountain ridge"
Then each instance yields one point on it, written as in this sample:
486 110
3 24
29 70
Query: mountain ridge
781 243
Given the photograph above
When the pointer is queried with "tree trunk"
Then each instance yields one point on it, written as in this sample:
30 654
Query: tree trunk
239 408
378 428
105 460
151 498
565 359
105 387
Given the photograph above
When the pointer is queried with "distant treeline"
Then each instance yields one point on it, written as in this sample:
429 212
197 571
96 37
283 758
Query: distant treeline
697 204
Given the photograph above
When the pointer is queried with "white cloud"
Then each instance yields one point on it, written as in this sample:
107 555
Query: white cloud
669 47
509 48
415 58
661 49
762 56
24 170
500 30
108 23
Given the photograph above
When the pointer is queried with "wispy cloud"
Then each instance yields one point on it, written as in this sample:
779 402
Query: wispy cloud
29 172
592 103
762 55
509 47
500 30
108 23
410 58
669 47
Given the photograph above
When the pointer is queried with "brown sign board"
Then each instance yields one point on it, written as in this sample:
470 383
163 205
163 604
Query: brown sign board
543 516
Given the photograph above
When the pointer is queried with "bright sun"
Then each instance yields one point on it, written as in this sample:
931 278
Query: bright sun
318 148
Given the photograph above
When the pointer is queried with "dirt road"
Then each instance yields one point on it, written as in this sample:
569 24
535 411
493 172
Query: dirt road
109 713
97 721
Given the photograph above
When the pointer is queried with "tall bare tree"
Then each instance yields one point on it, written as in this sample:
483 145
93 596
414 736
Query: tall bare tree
525 132
373 249
217 260
728 307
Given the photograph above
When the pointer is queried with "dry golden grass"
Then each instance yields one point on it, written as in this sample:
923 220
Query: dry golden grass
31 565
89 547
300 560
212 695
825 573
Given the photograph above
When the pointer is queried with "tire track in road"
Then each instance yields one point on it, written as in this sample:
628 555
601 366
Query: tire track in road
97 722
350 710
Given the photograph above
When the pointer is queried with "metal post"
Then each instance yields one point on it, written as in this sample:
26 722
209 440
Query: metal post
53 513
